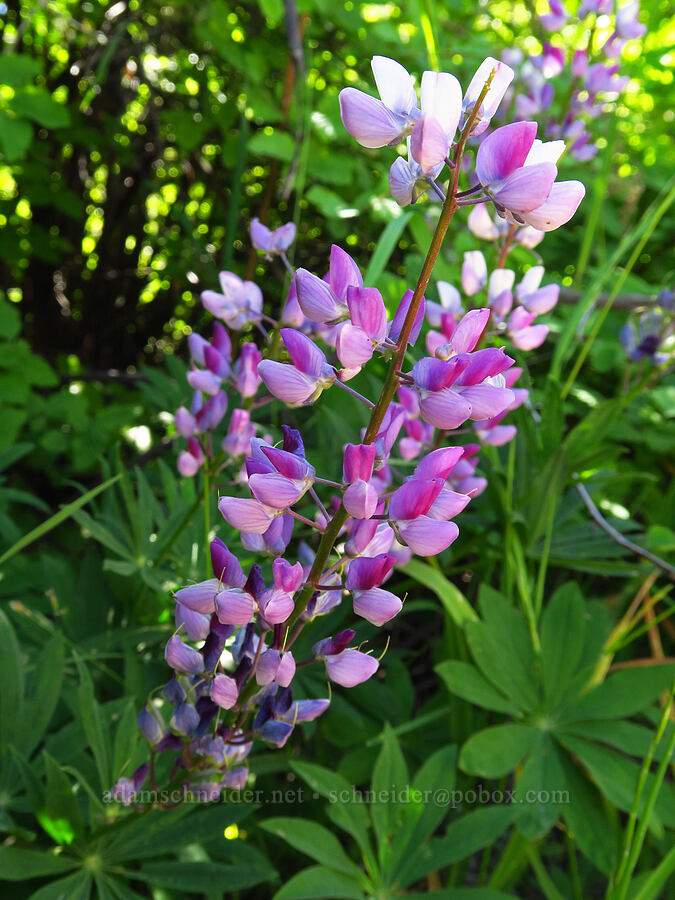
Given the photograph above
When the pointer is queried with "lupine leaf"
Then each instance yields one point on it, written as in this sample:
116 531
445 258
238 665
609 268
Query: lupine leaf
496 751
17 864
11 682
466 682
541 789
314 840
623 693
562 638
455 603
390 776
200 877
320 882
74 887
94 728
41 705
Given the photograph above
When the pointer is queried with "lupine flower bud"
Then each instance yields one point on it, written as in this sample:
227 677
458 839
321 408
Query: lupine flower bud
149 725
224 691
183 658
185 720
271 242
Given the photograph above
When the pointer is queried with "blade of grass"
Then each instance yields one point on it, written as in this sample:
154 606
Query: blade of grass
64 513
385 247
618 284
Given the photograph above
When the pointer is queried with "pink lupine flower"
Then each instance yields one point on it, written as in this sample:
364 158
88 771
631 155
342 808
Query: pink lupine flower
466 334
276 604
450 302
325 299
246 370
518 174
409 508
305 379
235 606
195 625
224 691
556 18
239 304
418 436
627 24
204 380
371 602
250 516
184 422
474 272
237 441
376 123
498 87
360 498
551 62
441 101
482 225
366 329
272 242
536 299
522 332
190 460
407 180
273 541
399 318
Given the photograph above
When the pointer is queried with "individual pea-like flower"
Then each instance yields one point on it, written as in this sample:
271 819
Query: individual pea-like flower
182 657
474 272
325 299
344 665
450 303
441 101
246 370
272 242
371 602
378 123
532 296
237 441
556 18
518 174
239 304
408 181
627 24
125 789
366 329
500 82
360 498
522 333
409 511
191 460
305 378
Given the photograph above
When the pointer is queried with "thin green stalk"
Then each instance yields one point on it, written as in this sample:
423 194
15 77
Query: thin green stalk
207 520
604 312
546 884
577 891
599 194
636 832
543 562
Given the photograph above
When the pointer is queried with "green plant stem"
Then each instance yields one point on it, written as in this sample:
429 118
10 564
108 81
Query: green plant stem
599 194
577 891
207 520
635 832
549 889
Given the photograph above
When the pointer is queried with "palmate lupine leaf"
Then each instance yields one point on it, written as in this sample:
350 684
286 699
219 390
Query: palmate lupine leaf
315 841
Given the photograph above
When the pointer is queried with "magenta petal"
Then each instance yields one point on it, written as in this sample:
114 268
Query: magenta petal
434 374
287 463
367 310
316 299
468 331
246 515
304 353
445 409
484 364
562 203
360 500
439 463
354 347
351 667
368 120
427 537
499 435
366 572
414 498
268 665
377 606
358 461
199 597
286 382
503 151
428 143
224 691
539 302
527 188
400 317
487 400
287 577
235 607
195 625
286 670
205 381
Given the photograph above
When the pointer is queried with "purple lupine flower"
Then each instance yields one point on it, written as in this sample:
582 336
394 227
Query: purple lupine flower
275 666
474 272
303 380
237 441
196 625
150 725
182 657
190 461
235 779
366 329
407 180
518 174
532 297
450 303
551 62
344 665
371 602
224 691
556 18
239 304
482 225
185 719
246 370
125 789
211 413
522 332
360 498
400 316
273 541
441 101
627 24
235 606
466 334
204 380
409 506
276 604
376 123
184 422
325 300
272 242
304 710
502 79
